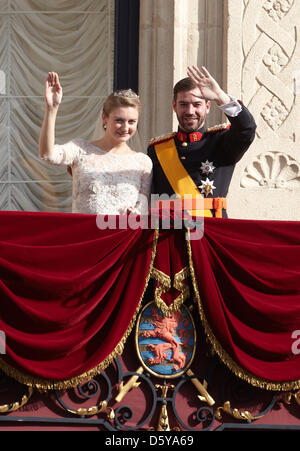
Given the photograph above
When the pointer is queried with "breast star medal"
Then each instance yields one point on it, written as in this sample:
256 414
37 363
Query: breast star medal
207 167
207 187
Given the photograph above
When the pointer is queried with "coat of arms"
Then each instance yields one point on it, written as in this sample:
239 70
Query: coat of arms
165 344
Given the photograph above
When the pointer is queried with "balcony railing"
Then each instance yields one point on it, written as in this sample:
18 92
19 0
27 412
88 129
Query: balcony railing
126 398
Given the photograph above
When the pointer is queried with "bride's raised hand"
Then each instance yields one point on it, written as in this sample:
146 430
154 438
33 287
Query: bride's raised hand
53 91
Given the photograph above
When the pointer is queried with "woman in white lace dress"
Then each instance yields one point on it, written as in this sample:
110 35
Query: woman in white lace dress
108 176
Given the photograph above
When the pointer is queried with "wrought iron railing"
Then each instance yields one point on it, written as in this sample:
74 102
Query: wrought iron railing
125 401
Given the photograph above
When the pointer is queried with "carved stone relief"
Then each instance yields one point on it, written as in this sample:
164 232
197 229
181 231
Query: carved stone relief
263 64
274 170
268 50
276 9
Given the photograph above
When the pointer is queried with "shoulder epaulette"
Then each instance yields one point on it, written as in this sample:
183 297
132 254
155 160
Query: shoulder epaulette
160 139
217 128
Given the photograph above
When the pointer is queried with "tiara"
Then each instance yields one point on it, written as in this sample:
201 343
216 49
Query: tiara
126 93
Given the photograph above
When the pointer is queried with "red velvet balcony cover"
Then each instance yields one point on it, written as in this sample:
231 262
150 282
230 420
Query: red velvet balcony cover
70 293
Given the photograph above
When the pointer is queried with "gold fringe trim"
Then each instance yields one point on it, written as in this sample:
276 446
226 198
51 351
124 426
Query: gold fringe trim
45 384
224 356
165 285
162 278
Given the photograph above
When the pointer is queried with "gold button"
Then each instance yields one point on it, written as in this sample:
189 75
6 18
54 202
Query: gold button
184 144
183 157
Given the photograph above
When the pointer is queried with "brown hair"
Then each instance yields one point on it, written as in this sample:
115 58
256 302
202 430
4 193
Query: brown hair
121 98
186 84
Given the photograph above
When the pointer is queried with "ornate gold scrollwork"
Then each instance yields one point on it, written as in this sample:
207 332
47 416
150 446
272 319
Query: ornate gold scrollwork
95 410
297 397
239 415
7 408
287 397
90 411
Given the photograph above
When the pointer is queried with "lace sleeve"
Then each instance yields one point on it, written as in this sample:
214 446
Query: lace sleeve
142 204
64 154
146 180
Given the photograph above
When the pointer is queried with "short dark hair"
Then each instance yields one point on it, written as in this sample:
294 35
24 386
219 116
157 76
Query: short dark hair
186 84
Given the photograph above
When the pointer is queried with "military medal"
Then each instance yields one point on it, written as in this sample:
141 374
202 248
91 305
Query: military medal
207 187
207 167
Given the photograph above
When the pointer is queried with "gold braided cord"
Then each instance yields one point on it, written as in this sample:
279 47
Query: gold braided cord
223 355
165 285
45 384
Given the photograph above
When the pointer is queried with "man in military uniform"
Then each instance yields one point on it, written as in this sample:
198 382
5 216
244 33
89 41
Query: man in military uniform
196 160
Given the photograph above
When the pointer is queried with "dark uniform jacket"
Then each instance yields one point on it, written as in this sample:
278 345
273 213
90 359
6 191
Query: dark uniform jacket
222 146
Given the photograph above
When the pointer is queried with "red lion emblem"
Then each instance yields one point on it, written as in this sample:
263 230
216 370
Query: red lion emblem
165 329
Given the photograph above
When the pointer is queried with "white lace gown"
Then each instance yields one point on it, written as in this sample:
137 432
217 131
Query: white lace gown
105 183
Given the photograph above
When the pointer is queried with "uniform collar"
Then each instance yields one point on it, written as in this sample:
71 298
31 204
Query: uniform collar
191 137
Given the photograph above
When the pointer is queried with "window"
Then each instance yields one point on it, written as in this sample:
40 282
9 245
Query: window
37 36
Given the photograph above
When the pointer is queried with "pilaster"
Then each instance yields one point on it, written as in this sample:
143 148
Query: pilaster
173 35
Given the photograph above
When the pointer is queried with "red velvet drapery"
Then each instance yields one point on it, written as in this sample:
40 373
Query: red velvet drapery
70 293
247 281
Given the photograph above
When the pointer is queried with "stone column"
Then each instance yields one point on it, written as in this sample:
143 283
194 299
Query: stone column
173 35
261 66
156 67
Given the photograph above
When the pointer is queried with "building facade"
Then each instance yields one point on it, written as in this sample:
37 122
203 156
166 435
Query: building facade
97 46
250 46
